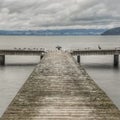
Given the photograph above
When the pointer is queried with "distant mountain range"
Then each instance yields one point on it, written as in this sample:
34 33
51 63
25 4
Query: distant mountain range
113 31
64 32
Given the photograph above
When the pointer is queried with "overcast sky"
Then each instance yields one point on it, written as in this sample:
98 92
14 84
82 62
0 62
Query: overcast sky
56 14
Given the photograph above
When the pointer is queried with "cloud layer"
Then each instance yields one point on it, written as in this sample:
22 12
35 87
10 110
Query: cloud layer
49 14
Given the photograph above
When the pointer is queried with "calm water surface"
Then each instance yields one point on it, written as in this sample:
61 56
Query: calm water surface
18 68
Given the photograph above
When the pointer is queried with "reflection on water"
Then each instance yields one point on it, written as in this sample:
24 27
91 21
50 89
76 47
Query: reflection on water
101 69
108 80
11 79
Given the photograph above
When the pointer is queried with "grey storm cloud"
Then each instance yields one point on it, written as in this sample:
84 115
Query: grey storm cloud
55 14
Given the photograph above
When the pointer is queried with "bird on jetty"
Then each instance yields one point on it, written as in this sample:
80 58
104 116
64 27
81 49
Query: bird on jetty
58 47
99 47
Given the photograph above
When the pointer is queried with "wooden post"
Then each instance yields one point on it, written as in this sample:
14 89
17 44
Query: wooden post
2 59
78 58
41 57
116 60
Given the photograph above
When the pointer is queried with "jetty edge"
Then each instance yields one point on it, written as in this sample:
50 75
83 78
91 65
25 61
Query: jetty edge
60 89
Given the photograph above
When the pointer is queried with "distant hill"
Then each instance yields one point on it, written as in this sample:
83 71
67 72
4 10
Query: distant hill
113 31
64 32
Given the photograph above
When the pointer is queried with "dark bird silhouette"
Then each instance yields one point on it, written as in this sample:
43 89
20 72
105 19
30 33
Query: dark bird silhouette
58 47
99 47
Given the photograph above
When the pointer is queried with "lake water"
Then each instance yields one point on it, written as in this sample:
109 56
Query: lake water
18 68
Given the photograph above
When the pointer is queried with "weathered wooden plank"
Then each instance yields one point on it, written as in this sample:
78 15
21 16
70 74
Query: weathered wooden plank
60 89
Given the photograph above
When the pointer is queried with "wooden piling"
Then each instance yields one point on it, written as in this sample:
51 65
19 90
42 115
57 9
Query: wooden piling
2 60
116 60
78 58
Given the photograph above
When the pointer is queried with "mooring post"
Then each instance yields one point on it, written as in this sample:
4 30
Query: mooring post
116 60
78 58
2 59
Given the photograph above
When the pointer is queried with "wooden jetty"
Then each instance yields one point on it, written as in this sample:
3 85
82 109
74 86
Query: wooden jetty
60 89
95 52
24 52
114 52
76 52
